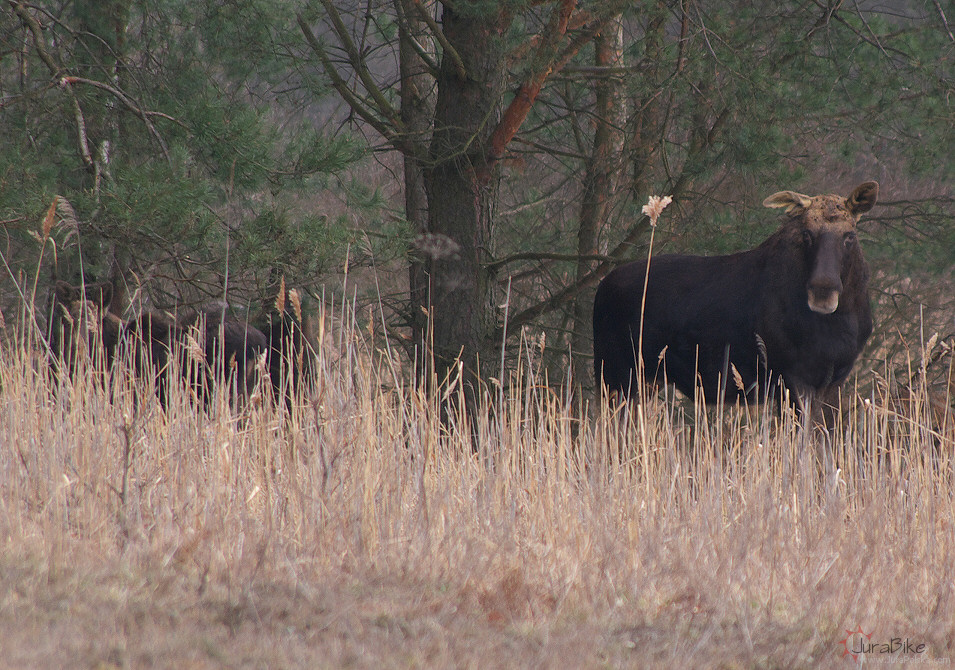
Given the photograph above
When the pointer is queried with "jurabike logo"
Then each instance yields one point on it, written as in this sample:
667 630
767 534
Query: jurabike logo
858 644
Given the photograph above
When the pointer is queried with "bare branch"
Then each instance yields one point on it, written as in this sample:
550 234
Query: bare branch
593 277
541 69
941 14
426 57
587 32
358 64
36 29
600 71
55 70
439 35
548 59
545 256
128 102
357 104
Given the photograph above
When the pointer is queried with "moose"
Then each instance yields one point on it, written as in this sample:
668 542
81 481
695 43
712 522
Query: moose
291 349
208 344
794 312
79 322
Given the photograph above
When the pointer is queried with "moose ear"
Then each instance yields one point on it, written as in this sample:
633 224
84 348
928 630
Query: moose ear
863 198
100 294
792 201
66 293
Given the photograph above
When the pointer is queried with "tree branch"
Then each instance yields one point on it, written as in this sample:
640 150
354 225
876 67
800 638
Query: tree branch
55 70
128 102
358 65
571 290
546 256
548 59
541 68
439 35
357 104
426 57
591 278
941 14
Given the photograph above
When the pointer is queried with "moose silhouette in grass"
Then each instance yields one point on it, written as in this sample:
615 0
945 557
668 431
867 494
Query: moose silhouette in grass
209 347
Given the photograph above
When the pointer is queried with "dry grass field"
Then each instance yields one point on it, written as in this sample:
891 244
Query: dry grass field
355 529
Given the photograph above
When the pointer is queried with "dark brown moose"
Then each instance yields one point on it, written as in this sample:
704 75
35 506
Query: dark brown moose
291 352
210 346
793 311
82 310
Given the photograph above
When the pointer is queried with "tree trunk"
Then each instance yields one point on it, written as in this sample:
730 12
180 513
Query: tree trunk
104 23
647 122
600 184
462 189
417 110
470 135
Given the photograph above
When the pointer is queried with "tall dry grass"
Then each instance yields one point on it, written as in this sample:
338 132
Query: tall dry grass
354 528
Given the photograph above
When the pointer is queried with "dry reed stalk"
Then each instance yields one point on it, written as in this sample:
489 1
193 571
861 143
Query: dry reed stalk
363 530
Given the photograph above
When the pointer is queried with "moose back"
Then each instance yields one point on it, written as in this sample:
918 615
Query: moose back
794 310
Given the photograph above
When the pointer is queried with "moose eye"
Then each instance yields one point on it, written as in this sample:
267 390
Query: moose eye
849 239
807 238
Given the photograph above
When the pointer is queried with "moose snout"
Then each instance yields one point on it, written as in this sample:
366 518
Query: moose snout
823 293
825 281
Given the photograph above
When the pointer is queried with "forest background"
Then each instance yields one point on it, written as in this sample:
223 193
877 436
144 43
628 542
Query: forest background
482 164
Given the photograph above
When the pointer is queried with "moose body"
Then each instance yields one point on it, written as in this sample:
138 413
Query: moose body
82 321
793 311
291 353
80 324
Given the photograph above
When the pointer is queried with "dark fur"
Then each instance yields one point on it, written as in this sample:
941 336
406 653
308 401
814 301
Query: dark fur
230 346
705 316
291 354
79 322
151 339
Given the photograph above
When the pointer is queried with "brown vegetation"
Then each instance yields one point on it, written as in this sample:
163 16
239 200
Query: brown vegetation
357 530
